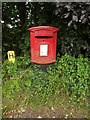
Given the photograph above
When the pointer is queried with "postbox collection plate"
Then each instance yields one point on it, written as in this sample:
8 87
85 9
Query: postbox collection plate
43 50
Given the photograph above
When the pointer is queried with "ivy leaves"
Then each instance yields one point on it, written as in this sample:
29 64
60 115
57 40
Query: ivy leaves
74 77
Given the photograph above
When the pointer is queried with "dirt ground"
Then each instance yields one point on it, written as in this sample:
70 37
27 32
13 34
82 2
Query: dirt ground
43 112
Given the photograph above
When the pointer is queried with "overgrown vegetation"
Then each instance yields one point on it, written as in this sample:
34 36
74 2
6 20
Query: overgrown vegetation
69 76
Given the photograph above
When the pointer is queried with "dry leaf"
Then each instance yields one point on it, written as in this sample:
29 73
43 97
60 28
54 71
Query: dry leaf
10 116
39 117
52 109
53 116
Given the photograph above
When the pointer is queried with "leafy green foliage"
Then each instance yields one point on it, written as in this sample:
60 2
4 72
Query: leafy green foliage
73 39
69 76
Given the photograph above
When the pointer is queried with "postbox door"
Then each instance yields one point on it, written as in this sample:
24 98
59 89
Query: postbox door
44 47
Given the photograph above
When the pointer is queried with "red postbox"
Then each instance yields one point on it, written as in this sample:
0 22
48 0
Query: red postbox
43 44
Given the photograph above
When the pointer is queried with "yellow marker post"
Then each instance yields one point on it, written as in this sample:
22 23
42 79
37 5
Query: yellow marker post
11 56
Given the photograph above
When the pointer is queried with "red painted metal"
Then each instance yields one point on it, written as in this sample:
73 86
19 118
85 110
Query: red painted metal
43 44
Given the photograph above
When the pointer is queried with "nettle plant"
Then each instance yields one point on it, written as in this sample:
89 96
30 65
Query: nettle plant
70 76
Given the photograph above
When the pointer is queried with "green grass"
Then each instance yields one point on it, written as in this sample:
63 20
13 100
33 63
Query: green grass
29 86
